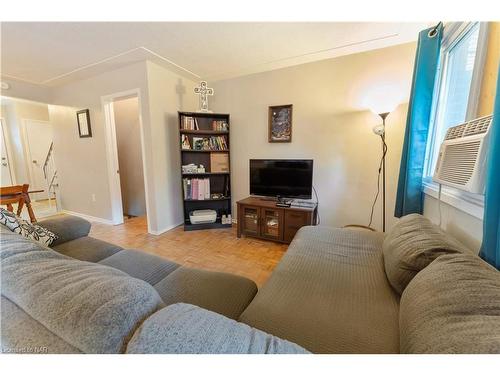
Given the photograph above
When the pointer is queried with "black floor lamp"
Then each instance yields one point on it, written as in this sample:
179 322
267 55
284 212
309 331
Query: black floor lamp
380 131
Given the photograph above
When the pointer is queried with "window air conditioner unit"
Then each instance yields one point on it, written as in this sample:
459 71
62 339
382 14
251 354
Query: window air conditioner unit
462 156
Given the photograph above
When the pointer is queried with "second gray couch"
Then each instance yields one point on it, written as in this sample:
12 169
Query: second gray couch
415 290
223 293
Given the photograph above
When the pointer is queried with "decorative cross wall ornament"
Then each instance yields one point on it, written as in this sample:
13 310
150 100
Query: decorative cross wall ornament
203 91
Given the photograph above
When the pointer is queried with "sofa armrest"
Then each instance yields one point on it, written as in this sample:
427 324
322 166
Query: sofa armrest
189 329
66 227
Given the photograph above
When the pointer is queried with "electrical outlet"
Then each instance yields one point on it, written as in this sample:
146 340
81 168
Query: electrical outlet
93 197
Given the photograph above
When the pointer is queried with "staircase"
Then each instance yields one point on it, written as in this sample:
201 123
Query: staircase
50 174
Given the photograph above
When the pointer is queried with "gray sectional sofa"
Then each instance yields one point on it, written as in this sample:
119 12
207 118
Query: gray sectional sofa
415 290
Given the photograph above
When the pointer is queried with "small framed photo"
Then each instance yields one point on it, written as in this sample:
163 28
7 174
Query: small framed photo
83 118
280 123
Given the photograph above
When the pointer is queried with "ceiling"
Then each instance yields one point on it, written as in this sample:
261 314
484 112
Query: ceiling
52 54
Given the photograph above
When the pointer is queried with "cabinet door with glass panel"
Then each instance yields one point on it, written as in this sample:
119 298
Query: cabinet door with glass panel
251 220
271 223
262 222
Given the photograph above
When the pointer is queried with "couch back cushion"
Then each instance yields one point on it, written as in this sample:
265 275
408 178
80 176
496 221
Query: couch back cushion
13 243
452 306
412 244
187 329
92 307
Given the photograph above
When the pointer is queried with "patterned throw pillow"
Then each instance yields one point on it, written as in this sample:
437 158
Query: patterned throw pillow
25 229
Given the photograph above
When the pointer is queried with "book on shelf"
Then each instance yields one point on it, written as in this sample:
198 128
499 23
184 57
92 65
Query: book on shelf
196 188
219 125
185 145
189 123
216 143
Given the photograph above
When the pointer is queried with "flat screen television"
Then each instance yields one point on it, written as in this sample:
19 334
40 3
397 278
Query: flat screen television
281 178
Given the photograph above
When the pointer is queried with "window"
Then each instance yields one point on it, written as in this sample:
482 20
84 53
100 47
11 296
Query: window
457 86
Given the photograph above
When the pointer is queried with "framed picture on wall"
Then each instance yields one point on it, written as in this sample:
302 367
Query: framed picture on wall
280 123
83 118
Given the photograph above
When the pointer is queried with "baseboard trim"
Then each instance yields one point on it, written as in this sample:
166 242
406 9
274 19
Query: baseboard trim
89 217
161 231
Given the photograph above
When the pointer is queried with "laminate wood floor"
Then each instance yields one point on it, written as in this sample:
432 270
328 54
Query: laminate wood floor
214 249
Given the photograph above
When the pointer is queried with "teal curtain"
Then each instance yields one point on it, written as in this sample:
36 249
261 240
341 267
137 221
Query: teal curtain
409 197
490 249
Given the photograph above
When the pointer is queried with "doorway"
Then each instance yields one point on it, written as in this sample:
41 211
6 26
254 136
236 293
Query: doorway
28 151
126 160
130 163
7 173
38 143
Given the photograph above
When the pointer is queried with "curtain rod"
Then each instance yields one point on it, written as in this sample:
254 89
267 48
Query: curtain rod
432 32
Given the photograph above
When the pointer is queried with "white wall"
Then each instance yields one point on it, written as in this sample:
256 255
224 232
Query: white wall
331 125
167 93
82 162
128 139
464 227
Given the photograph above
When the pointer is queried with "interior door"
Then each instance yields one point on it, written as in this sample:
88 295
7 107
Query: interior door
38 138
6 172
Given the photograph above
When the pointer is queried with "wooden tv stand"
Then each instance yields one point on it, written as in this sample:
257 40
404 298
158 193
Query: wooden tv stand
261 218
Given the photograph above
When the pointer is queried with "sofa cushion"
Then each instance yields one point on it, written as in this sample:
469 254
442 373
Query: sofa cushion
411 245
183 328
141 265
92 307
66 227
21 333
452 306
26 229
329 294
88 249
12 243
223 293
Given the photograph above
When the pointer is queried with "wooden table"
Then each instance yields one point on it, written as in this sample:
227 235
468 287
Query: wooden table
19 194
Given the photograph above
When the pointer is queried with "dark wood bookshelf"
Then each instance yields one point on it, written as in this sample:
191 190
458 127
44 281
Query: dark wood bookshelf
208 132
218 224
204 174
206 200
205 151
220 182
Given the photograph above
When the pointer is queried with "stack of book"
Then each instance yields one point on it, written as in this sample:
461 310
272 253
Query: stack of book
189 123
210 144
196 188
190 168
220 125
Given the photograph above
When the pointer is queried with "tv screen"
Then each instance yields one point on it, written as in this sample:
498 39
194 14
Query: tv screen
284 178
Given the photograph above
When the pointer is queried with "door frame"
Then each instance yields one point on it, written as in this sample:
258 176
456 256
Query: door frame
112 155
27 150
8 149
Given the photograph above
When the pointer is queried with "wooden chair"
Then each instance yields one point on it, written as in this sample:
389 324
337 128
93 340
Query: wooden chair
10 195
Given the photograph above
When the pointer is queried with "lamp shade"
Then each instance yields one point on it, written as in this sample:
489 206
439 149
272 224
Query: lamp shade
381 97
382 106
